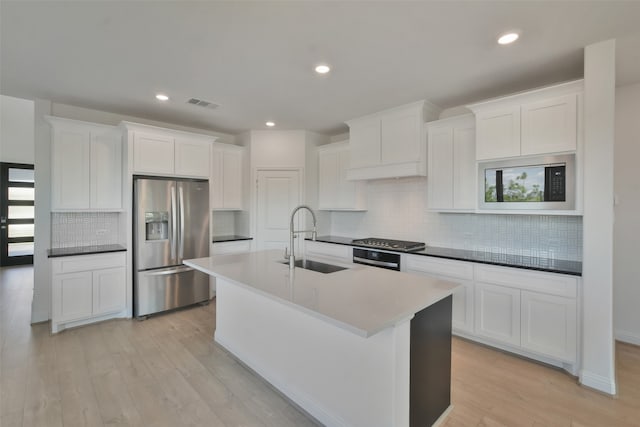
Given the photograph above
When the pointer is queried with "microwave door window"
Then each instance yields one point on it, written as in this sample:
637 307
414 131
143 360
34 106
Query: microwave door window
490 185
523 184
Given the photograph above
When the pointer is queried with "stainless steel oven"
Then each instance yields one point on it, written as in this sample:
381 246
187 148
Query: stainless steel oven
375 258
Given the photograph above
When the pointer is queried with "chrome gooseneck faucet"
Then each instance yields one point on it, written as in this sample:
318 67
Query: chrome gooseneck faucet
292 233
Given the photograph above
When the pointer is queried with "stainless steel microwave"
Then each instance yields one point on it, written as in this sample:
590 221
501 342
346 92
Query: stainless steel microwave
533 183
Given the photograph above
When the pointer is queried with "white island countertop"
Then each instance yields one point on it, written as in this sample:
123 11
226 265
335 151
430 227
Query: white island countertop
361 299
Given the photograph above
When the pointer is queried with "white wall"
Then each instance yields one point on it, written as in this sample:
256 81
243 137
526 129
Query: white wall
277 149
16 130
598 354
626 235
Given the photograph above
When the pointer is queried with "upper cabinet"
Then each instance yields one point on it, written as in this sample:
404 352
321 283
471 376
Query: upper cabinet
166 152
335 192
541 121
390 143
227 165
452 167
86 166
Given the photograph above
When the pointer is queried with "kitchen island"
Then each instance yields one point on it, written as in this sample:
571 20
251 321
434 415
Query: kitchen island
362 346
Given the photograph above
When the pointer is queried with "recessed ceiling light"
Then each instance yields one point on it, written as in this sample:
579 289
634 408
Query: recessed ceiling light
508 38
322 69
270 124
162 97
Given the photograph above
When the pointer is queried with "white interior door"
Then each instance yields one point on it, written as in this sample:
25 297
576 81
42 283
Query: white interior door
278 193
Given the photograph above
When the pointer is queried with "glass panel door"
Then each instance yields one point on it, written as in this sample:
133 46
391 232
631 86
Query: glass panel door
16 214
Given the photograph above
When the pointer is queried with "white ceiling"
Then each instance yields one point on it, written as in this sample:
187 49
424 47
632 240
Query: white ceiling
256 59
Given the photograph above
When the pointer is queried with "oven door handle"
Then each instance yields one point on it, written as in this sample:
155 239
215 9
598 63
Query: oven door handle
374 262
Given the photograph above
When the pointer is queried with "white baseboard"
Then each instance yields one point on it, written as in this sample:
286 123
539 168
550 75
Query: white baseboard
628 337
598 382
443 418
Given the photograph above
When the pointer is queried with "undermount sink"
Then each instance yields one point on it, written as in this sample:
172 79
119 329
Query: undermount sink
320 267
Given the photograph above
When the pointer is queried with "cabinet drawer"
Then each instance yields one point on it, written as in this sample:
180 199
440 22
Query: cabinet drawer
237 247
343 252
441 267
548 283
88 262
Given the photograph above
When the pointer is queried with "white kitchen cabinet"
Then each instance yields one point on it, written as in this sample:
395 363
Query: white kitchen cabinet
86 166
192 157
153 153
540 121
452 167
498 133
226 177
549 325
459 272
550 126
87 288
168 152
335 192
390 143
497 313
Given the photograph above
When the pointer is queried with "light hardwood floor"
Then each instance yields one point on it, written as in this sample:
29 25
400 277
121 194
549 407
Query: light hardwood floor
166 371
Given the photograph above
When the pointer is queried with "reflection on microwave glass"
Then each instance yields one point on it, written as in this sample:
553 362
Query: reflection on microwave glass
522 184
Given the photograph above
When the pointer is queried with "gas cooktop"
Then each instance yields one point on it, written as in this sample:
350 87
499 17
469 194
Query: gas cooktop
396 245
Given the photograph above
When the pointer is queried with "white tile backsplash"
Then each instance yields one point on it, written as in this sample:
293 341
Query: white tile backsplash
397 209
71 229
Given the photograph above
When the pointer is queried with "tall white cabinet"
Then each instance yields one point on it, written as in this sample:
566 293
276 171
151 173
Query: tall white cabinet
86 166
451 172
227 171
335 192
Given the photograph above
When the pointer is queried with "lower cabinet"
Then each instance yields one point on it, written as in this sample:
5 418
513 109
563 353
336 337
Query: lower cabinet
549 325
498 313
328 251
529 312
87 288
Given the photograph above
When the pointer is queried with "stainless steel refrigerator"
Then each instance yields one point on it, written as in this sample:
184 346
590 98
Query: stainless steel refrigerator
171 223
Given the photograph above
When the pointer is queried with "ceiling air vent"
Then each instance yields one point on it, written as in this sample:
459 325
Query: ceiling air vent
202 103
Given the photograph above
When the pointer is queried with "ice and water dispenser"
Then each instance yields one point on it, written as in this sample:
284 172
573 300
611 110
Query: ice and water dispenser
157 225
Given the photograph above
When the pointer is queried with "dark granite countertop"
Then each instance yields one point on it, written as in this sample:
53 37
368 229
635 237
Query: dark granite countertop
84 250
230 238
573 268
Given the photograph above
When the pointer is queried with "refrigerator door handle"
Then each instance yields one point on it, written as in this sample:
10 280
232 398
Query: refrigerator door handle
174 223
181 248
168 272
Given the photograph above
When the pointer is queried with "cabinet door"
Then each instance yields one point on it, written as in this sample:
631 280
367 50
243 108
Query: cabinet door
549 325
497 313
72 296
192 158
217 178
464 168
498 133
232 179
109 291
550 126
440 170
351 194
106 170
463 306
400 137
70 169
153 154
328 175
364 137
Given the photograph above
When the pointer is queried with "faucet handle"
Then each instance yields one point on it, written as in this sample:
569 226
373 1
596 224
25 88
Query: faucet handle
286 253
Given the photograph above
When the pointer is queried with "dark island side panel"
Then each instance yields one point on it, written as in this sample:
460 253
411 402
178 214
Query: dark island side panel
430 363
